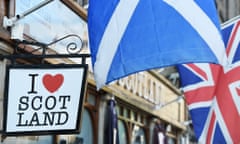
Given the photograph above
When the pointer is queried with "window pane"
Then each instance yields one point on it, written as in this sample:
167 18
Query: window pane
44 140
28 140
138 135
86 135
122 132
91 99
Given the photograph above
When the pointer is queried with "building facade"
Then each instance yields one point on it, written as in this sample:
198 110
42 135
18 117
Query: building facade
140 99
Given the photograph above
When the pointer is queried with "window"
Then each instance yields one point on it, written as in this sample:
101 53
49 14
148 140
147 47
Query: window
83 3
29 140
86 134
138 135
91 99
122 132
132 126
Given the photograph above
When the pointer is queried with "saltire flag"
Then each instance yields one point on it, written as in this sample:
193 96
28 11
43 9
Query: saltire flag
128 36
112 135
212 92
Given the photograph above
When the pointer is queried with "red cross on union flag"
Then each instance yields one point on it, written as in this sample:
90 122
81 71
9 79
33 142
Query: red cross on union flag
212 92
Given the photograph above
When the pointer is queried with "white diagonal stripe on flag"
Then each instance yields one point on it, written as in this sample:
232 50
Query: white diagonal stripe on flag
199 104
221 122
203 136
235 43
108 47
200 21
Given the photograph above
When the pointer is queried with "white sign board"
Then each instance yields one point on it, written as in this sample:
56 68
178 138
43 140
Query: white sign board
44 99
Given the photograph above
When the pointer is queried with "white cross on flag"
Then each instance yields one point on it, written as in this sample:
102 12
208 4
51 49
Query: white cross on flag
128 36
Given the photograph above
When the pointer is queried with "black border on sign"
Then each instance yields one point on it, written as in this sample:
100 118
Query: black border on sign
46 132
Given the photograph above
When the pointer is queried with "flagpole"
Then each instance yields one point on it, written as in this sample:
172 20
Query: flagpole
9 22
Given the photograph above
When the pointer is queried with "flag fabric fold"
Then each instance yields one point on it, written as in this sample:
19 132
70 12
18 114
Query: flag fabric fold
131 36
212 92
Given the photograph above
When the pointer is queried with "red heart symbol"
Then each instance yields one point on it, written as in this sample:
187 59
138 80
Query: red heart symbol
52 83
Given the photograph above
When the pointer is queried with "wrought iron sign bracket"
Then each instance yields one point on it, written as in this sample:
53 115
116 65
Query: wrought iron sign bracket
73 50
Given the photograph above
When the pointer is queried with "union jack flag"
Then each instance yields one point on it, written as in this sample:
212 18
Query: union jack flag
212 92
